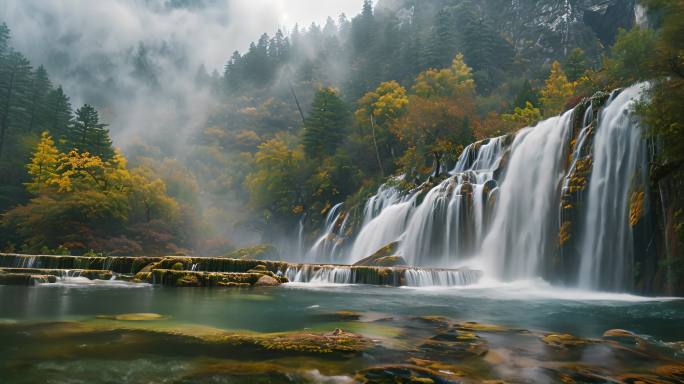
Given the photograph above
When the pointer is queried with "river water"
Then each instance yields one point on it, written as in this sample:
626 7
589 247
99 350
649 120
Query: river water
39 344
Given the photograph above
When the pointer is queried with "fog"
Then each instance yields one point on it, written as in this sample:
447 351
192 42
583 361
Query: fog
137 60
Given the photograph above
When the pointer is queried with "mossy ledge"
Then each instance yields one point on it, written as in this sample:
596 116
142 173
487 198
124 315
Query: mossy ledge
186 271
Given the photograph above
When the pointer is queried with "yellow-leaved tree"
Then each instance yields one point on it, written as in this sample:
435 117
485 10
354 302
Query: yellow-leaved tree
440 118
377 111
523 117
43 165
556 92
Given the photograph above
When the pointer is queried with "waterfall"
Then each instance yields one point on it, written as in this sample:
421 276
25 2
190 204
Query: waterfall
525 220
327 247
556 201
385 218
618 179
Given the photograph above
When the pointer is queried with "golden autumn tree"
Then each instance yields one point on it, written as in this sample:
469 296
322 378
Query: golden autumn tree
440 117
556 91
277 184
523 117
43 165
377 111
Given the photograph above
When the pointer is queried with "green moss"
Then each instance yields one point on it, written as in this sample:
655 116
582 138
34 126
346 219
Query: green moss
257 252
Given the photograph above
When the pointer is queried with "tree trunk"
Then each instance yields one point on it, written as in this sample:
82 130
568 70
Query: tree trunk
375 144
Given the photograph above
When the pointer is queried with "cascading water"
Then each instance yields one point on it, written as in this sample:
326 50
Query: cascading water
617 183
525 220
503 205
327 247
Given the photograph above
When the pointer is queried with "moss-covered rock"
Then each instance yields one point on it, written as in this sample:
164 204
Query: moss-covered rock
174 278
92 274
383 257
257 252
564 340
25 279
400 374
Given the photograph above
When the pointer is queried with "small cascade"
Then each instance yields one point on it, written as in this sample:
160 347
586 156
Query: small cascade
441 278
385 218
451 219
413 277
319 274
328 246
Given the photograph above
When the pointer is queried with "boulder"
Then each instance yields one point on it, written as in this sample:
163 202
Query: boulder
267 281
383 257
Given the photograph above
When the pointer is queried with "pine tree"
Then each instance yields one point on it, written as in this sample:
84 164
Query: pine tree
327 124
526 94
40 88
59 116
575 64
4 39
43 165
15 76
441 46
88 134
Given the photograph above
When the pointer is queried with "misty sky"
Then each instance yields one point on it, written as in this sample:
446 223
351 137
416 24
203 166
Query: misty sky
215 27
90 47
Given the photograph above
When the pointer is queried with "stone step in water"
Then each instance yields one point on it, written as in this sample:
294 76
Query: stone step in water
217 271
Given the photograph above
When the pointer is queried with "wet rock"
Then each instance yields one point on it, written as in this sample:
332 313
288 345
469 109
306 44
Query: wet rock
454 344
622 336
339 316
25 279
172 278
92 274
384 257
564 340
266 281
675 372
401 374
479 327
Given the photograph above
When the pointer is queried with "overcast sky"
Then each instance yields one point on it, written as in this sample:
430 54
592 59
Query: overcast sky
215 30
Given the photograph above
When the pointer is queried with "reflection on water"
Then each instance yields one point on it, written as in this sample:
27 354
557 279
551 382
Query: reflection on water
72 333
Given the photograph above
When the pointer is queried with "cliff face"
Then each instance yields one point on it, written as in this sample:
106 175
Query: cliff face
540 29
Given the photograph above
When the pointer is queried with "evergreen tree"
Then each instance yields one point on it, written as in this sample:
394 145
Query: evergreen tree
88 134
526 95
59 116
40 88
575 64
441 46
4 39
15 77
326 125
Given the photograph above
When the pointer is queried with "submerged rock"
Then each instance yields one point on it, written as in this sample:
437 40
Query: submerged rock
402 374
25 279
134 317
565 340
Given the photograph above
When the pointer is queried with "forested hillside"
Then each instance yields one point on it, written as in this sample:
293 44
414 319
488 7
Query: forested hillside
322 114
